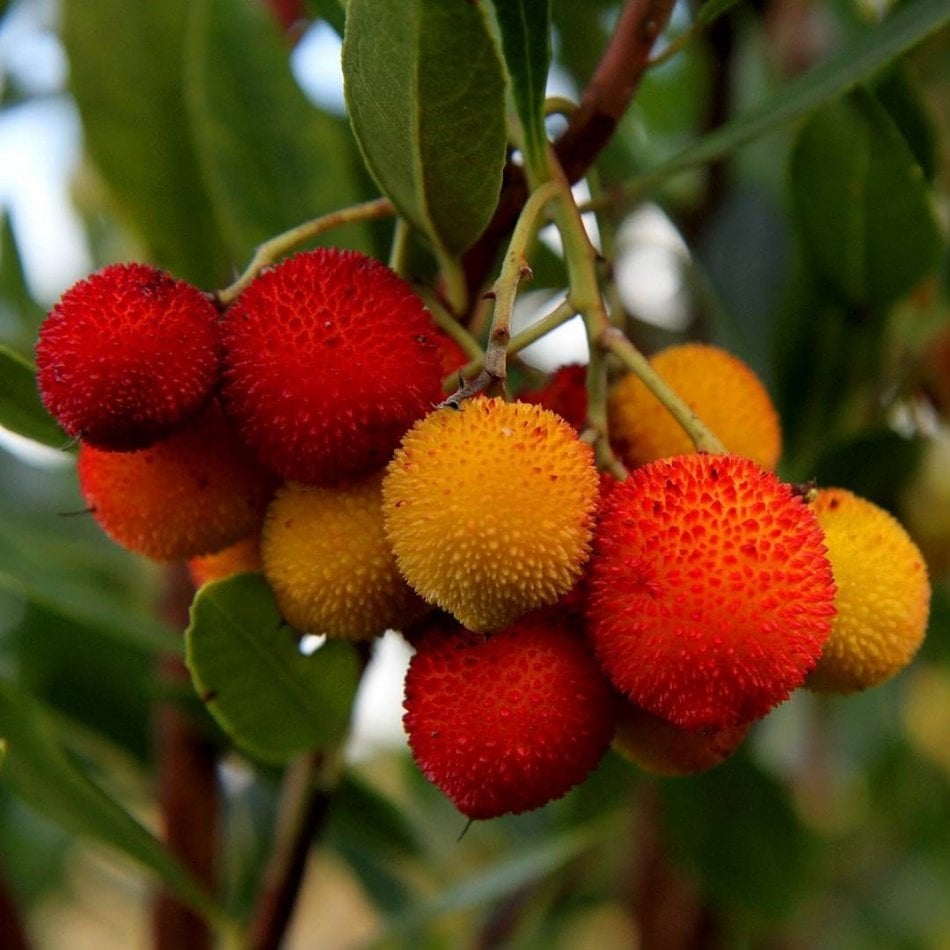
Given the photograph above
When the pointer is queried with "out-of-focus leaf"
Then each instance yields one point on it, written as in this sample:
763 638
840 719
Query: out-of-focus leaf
269 158
381 880
531 863
20 314
21 410
245 663
3 751
525 27
366 819
39 771
900 95
735 827
860 59
710 11
87 675
333 11
862 204
425 92
126 74
876 465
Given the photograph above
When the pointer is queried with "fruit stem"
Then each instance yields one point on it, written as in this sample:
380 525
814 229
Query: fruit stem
280 244
563 312
514 269
613 341
399 249
602 337
448 324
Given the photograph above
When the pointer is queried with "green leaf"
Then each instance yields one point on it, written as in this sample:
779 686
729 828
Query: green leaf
126 76
712 10
425 92
874 49
245 663
21 410
269 158
39 771
3 752
525 27
899 93
862 204
735 827
16 302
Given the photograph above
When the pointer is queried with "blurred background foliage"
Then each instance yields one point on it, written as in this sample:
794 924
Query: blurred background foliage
816 252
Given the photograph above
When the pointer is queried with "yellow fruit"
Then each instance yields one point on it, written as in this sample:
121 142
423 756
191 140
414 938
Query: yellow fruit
720 389
883 594
656 745
327 560
490 509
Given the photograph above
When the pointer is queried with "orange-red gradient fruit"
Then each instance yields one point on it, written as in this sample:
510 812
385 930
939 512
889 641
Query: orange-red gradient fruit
243 555
194 493
710 592
489 509
330 357
883 596
564 393
719 387
326 557
656 745
508 721
126 356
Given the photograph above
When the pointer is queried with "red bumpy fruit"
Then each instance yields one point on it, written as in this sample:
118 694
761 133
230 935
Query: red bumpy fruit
508 721
126 356
711 594
330 357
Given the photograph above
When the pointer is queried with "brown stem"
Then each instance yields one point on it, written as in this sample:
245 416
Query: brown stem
12 933
187 789
605 100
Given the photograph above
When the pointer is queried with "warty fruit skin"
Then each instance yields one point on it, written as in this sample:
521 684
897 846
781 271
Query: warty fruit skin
237 558
193 493
710 594
489 509
883 598
717 386
325 556
127 356
329 358
506 722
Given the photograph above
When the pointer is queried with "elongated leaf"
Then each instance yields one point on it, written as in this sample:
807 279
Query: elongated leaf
3 752
425 92
126 75
269 158
862 204
20 314
735 827
245 664
909 24
710 11
525 27
39 771
21 410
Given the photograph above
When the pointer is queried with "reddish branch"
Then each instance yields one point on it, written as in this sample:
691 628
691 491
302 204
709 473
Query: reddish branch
605 100
12 935
187 789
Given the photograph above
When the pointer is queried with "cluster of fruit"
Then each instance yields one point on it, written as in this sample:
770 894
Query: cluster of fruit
553 610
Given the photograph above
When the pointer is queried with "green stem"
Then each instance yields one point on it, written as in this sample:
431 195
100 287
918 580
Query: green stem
280 244
514 269
399 251
447 323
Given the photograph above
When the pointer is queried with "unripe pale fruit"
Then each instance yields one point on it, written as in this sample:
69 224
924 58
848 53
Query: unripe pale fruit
709 591
326 557
883 597
330 357
126 356
508 721
717 386
656 745
194 493
490 509
243 555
